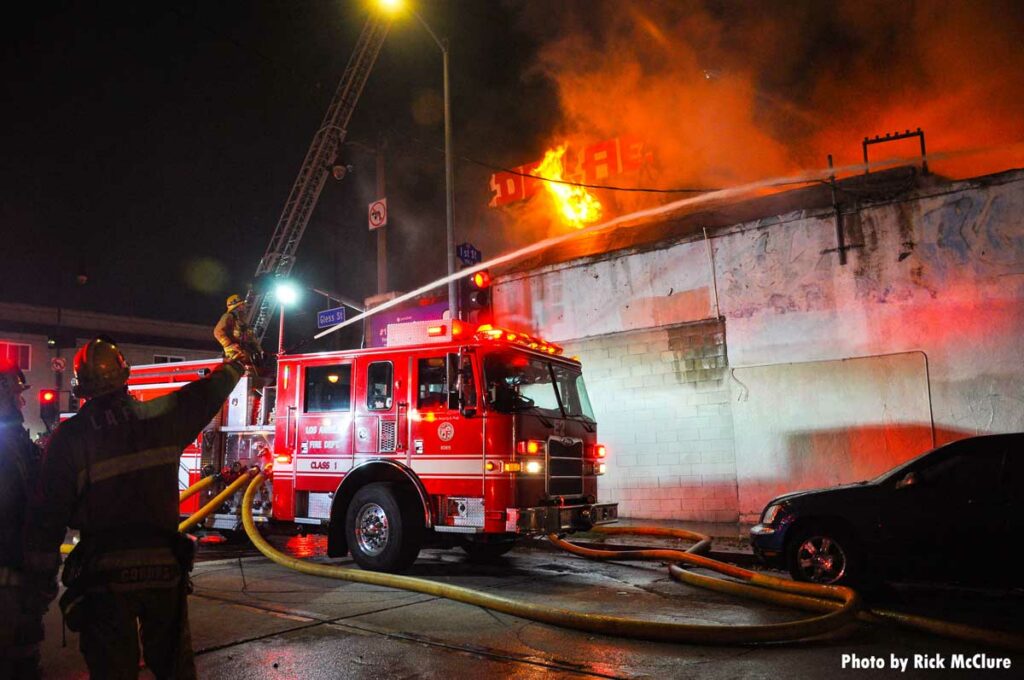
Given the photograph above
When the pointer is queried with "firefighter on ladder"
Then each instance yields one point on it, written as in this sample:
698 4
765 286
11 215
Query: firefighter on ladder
235 336
111 472
21 612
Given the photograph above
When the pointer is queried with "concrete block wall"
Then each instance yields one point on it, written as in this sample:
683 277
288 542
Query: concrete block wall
661 399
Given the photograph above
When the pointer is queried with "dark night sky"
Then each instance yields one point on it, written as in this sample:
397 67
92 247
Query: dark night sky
152 144
147 140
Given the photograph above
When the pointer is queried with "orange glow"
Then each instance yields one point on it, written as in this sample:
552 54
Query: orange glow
576 206
481 279
601 451
284 460
532 447
435 331
457 329
429 417
490 466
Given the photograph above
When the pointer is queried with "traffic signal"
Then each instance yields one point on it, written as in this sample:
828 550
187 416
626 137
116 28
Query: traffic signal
476 297
49 407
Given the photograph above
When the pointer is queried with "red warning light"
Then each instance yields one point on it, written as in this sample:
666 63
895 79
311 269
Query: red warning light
47 396
481 279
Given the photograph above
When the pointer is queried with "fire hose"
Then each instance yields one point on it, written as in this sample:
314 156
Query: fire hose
847 601
838 605
217 500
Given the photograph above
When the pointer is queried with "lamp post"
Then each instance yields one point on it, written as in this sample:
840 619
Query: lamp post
449 171
392 7
287 294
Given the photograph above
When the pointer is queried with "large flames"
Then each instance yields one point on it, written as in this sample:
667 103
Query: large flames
575 205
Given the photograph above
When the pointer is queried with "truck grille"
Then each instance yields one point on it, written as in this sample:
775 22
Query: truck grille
565 466
388 429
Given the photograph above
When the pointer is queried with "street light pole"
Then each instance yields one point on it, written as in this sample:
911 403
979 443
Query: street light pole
280 331
449 171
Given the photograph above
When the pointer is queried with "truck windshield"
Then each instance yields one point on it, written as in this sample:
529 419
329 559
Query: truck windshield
517 381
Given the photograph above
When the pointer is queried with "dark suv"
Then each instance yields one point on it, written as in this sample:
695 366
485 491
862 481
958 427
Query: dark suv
954 512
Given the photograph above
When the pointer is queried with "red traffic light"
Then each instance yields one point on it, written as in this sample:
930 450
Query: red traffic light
481 279
47 396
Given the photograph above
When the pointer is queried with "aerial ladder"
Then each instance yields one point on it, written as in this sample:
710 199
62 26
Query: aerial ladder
278 260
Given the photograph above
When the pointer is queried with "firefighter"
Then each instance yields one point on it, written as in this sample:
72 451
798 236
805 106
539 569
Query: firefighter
235 336
21 614
111 472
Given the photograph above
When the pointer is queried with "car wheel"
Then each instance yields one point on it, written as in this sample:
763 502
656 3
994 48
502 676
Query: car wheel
824 554
487 550
384 527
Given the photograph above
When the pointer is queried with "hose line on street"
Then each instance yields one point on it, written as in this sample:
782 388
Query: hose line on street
756 588
846 600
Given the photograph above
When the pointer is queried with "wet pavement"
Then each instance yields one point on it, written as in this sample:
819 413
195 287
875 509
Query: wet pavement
253 619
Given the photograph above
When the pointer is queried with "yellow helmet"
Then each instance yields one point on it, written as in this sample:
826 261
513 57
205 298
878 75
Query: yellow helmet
99 368
234 302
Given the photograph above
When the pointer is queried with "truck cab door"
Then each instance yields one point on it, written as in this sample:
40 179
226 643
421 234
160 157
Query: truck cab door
377 410
446 446
323 425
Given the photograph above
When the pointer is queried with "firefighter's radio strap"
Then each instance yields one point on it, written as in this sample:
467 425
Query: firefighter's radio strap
125 559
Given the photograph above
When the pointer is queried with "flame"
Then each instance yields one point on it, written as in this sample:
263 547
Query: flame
577 206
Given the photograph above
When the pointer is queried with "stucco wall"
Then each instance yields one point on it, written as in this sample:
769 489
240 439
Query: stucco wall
939 274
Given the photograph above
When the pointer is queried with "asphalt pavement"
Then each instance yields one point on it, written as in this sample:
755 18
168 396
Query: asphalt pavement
254 619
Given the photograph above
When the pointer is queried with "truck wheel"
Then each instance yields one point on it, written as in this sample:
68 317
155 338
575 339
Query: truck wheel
384 527
481 550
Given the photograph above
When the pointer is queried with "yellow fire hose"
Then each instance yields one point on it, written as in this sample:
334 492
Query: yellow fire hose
197 487
217 500
757 590
847 601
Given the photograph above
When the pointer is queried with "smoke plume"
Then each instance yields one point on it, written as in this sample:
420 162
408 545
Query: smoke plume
730 92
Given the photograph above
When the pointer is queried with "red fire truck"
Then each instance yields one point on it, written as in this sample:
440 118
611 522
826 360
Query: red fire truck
452 434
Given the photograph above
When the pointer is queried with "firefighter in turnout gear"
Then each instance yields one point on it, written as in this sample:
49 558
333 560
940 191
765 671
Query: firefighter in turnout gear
111 472
21 611
235 336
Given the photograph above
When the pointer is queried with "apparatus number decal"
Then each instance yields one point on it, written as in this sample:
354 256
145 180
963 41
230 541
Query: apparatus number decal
445 432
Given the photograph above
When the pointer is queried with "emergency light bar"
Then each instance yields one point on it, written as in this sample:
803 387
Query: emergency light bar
488 332
447 330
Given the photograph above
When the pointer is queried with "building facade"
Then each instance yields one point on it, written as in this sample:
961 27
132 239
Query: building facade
43 341
730 360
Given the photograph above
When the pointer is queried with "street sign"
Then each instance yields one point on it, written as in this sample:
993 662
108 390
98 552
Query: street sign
378 214
58 364
468 253
330 317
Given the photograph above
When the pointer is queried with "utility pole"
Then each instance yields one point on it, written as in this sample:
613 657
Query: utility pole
382 231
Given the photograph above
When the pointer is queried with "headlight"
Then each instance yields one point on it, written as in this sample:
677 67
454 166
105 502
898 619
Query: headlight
770 513
533 467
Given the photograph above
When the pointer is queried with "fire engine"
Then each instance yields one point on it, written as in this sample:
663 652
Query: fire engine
452 434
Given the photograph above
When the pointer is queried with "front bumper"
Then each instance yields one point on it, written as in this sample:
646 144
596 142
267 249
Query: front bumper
768 544
556 519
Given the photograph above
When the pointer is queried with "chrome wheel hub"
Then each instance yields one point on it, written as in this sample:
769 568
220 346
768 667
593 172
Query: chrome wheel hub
821 559
372 529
